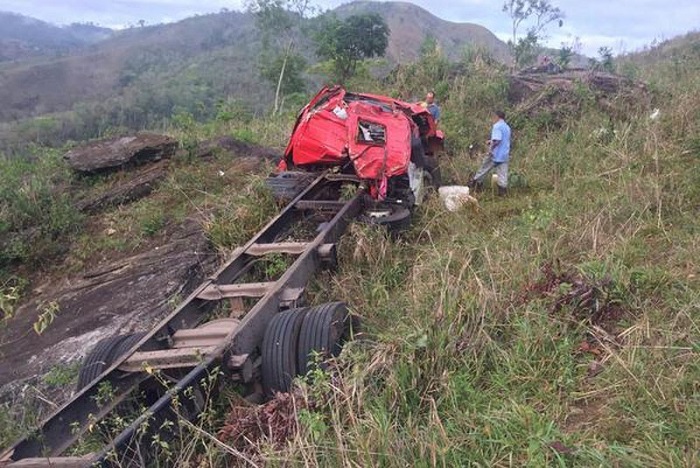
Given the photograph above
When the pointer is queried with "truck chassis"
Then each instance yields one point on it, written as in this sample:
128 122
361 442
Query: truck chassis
188 346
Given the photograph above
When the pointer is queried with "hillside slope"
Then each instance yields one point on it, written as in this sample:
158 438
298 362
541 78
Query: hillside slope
555 326
195 62
22 37
133 61
411 24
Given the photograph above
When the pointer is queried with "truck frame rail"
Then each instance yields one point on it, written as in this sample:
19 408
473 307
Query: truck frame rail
187 350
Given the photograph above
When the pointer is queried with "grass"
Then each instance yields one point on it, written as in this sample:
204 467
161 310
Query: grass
556 327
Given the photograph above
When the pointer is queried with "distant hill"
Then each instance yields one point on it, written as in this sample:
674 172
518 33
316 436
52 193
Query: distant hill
22 37
84 80
206 56
410 24
684 50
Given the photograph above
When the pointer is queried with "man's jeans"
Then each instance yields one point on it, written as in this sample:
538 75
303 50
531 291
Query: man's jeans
501 171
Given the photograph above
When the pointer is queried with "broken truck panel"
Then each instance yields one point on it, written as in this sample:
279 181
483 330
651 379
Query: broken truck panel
379 144
369 135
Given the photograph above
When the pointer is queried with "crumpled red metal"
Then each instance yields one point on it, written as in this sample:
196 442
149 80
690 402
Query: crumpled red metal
371 132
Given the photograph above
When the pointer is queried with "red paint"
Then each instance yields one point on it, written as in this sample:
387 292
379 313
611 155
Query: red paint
322 137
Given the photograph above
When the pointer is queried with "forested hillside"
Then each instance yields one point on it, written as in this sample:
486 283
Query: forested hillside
141 77
555 326
22 37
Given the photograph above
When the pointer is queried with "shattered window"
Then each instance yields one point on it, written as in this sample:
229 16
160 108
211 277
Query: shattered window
370 132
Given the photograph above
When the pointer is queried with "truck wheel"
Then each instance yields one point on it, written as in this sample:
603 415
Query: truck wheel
279 350
105 352
395 218
323 333
103 355
125 346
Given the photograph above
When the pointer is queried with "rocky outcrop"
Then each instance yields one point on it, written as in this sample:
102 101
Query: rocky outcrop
126 295
236 148
134 188
552 98
120 152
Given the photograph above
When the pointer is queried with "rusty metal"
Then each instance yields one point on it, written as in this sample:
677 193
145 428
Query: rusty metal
229 344
167 358
319 205
279 247
56 462
215 292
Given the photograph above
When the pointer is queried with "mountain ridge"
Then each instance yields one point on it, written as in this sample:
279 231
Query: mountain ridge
155 70
23 37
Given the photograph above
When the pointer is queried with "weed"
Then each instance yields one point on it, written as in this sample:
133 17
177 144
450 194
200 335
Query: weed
62 375
10 293
46 317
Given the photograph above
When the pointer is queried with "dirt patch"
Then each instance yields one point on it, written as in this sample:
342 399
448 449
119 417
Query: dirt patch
585 415
236 148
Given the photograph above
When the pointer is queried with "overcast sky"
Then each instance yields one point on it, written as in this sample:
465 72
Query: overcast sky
622 25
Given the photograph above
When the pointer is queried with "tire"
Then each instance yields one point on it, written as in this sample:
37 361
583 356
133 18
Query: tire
395 218
279 350
125 346
323 332
103 355
287 185
97 360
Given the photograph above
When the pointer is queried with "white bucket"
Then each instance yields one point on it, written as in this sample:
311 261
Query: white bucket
455 196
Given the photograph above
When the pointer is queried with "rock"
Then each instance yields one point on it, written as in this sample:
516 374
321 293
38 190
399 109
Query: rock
117 153
125 191
127 295
552 99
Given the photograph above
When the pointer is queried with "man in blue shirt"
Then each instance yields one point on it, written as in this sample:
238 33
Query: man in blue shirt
499 153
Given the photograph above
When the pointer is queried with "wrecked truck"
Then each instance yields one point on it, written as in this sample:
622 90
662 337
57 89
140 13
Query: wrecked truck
392 146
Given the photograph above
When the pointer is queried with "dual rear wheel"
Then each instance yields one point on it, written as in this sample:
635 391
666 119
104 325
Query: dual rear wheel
298 340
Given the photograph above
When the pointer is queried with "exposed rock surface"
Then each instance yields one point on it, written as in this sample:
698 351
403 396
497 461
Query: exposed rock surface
236 148
116 153
551 98
129 190
123 296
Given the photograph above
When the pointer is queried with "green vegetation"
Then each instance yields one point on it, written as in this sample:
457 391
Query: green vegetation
558 326
348 42
536 15
37 214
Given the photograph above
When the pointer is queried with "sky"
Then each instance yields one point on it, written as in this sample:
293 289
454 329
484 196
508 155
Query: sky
621 25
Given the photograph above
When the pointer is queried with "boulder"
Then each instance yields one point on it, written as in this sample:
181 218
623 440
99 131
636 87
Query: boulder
130 189
120 152
551 99
121 296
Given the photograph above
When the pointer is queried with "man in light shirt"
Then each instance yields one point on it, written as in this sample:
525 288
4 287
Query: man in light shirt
499 154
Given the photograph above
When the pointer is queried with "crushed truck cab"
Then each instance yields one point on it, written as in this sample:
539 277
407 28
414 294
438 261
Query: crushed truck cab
373 137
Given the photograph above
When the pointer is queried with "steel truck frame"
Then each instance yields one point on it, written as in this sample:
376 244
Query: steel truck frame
187 348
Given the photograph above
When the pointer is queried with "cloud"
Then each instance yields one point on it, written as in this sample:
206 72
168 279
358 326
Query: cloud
618 24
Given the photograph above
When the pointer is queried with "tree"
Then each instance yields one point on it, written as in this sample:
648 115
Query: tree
568 50
606 59
521 11
280 22
347 42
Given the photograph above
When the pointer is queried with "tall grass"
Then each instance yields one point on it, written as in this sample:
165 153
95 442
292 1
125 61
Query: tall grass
473 355
462 367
